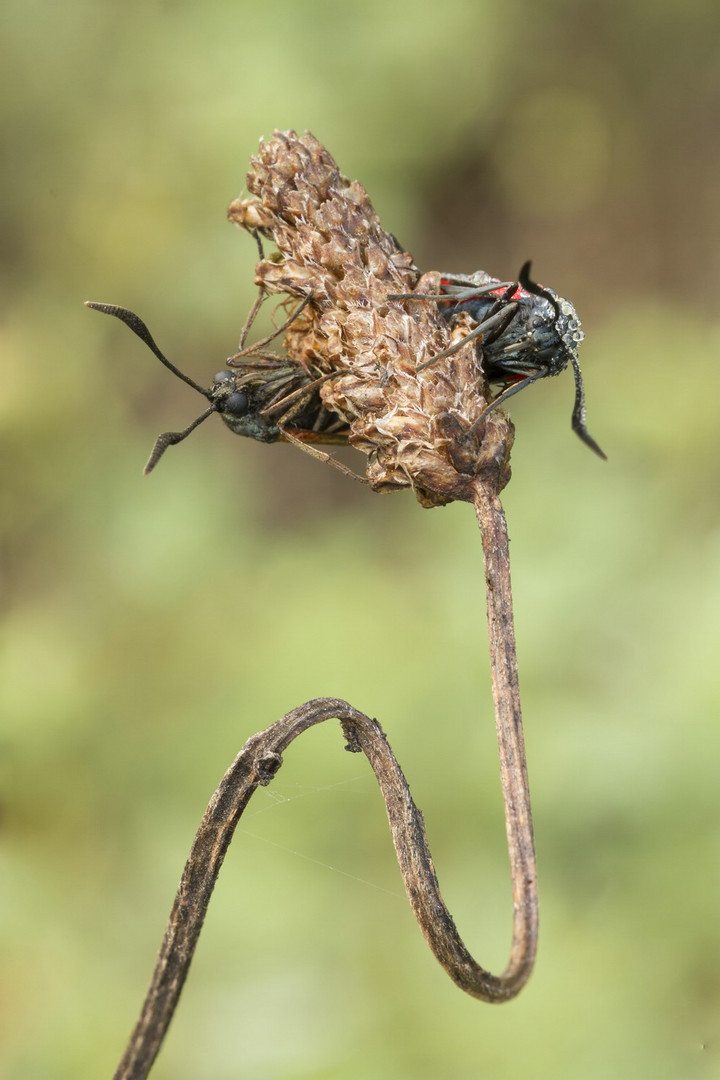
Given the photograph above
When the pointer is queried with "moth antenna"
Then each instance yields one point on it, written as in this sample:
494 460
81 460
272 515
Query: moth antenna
135 323
171 438
515 388
578 413
138 327
537 290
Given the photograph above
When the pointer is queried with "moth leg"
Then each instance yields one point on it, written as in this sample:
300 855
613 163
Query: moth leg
293 402
320 455
496 324
466 292
252 314
252 350
502 398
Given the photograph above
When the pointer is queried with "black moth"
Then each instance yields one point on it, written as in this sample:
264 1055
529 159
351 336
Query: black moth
260 395
527 333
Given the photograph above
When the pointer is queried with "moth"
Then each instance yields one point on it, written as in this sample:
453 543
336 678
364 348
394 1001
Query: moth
258 394
525 331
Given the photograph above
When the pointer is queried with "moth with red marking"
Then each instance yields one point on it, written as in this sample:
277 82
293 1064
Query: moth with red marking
525 332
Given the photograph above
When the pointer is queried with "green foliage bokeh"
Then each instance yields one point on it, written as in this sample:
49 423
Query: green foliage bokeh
150 626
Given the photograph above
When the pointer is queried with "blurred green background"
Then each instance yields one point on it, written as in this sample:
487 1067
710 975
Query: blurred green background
150 626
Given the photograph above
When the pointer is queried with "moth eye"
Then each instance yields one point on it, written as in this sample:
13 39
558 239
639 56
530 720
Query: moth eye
236 403
223 377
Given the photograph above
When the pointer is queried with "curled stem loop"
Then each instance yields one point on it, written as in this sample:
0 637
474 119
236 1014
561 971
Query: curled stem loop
261 757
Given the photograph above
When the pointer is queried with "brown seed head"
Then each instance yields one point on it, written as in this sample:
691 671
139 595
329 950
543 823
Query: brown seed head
413 425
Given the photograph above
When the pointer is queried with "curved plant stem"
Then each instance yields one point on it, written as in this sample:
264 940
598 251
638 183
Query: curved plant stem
511 743
256 766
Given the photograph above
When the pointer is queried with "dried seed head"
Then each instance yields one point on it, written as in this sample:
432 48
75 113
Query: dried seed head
415 426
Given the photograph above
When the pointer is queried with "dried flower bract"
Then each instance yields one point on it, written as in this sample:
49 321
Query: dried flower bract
413 425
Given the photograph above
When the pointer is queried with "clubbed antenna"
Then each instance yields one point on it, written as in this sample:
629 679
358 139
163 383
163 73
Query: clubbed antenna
168 438
537 290
578 413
